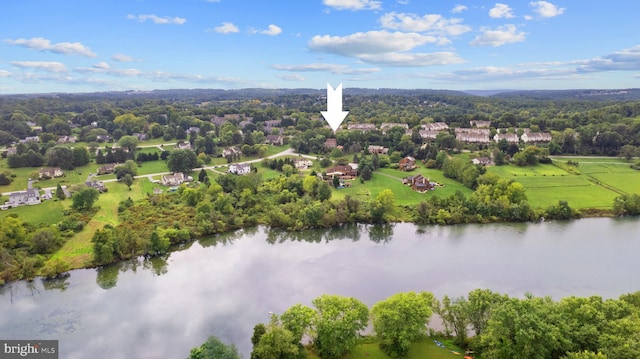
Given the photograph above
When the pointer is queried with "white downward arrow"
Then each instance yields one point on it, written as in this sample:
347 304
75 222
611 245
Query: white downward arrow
334 114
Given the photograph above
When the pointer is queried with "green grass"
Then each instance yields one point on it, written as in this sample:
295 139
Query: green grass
597 185
425 348
48 212
153 167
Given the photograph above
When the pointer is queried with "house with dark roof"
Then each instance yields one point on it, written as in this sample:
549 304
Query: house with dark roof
418 183
23 198
240 168
407 164
275 140
50 172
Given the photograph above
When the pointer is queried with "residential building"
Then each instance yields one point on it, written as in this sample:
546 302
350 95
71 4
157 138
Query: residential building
377 149
231 151
536 137
479 123
183 145
302 163
23 198
67 139
389 125
50 172
240 168
418 183
275 140
195 130
330 143
103 138
484 161
435 126
28 139
107 169
510 137
407 164
343 172
175 179
428 134
361 126
472 137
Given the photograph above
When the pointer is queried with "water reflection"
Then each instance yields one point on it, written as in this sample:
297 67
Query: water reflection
60 283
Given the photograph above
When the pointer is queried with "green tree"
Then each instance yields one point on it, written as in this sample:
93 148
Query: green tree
299 320
84 199
324 191
127 179
182 161
130 143
455 316
276 342
214 348
129 167
81 156
59 156
339 323
60 192
400 320
584 355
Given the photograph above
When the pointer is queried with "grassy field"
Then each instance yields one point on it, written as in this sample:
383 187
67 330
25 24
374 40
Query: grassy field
423 349
77 251
599 182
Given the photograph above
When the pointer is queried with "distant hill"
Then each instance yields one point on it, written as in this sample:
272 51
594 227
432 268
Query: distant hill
593 94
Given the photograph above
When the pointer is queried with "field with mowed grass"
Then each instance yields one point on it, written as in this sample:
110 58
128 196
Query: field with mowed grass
388 178
425 348
594 183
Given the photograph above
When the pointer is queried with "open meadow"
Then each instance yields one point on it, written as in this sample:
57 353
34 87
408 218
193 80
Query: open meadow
594 183
425 348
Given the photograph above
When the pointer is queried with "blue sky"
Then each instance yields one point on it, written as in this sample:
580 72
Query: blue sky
105 45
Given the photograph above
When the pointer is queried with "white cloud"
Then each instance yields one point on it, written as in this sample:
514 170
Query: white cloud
500 11
503 35
546 9
102 65
157 19
122 58
431 23
625 60
42 44
353 4
5 73
372 42
291 77
50 66
400 59
226 28
321 67
459 8
272 30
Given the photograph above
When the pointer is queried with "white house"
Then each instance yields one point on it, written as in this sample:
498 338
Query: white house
23 198
175 179
240 168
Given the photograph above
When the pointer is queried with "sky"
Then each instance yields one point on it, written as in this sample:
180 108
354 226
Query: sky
115 45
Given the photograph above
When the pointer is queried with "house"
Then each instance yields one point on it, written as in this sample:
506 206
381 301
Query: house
195 130
23 198
28 139
484 161
510 137
428 134
418 183
107 169
536 137
50 172
469 137
361 126
103 138
67 139
94 183
330 143
344 172
435 126
240 168
182 145
175 179
377 149
407 164
231 151
275 140
302 163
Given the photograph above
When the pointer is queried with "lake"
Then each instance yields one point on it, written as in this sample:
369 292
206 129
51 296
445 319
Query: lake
225 285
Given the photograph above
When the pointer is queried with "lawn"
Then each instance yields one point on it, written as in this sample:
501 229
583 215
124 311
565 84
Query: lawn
78 250
425 348
387 178
150 167
597 185
48 212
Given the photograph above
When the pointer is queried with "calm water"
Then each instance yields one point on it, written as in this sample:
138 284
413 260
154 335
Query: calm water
225 285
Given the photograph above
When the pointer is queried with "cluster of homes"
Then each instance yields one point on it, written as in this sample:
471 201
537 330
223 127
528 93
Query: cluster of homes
478 133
